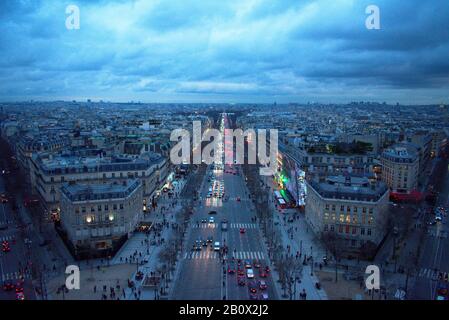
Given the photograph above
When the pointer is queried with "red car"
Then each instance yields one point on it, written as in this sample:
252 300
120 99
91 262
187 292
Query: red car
262 273
253 296
8 286
240 272
242 230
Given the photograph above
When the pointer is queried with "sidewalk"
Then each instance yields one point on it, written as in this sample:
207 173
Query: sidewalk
298 237
143 249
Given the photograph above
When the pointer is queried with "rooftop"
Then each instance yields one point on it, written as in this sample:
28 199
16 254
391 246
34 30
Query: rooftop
349 188
86 192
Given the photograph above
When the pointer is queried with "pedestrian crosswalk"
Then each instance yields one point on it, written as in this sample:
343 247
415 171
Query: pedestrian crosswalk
247 255
201 255
6 238
6 222
11 276
232 225
244 225
251 255
435 233
431 274
204 226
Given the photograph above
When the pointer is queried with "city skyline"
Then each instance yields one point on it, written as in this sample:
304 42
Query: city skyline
213 52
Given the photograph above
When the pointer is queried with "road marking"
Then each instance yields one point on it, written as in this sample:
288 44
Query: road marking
243 225
6 238
15 275
246 255
206 255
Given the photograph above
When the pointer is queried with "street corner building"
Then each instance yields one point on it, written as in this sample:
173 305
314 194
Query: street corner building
96 219
349 213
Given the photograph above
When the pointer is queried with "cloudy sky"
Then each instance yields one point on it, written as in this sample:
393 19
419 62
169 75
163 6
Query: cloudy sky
225 51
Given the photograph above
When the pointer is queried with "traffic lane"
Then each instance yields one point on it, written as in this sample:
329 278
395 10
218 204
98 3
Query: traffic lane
200 279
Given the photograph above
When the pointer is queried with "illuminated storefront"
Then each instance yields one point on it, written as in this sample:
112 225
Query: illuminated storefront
291 181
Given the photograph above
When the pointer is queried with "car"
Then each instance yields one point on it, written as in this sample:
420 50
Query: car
20 296
250 273
204 220
217 246
264 296
253 296
241 281
262 285
252 286
242 230
8 286
247 264
211 220
256 264
209 239
238 199
267 269
231 269
438 218
262 273
212 212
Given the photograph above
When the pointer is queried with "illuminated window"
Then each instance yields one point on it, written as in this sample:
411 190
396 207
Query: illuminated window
342 218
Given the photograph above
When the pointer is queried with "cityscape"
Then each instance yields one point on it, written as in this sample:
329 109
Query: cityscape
240 151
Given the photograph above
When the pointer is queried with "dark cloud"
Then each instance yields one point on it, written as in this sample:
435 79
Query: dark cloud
254 50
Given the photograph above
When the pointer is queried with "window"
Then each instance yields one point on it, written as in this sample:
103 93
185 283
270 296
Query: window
370 210
333 207
99 207
340 228
348 218
114 207
326 227
106 207
369 232
332 228
362 231
327 206
83 209
354 230
364 210
355 209
342 218
342 208
121 206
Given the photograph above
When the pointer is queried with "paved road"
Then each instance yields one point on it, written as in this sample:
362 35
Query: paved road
203 275
12 263
435 254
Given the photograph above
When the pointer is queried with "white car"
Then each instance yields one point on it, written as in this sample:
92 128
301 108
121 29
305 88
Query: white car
217 246
211 220
250 273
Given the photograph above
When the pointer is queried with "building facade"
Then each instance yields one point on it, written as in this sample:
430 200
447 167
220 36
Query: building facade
352 209
49 173
400 167
96 218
